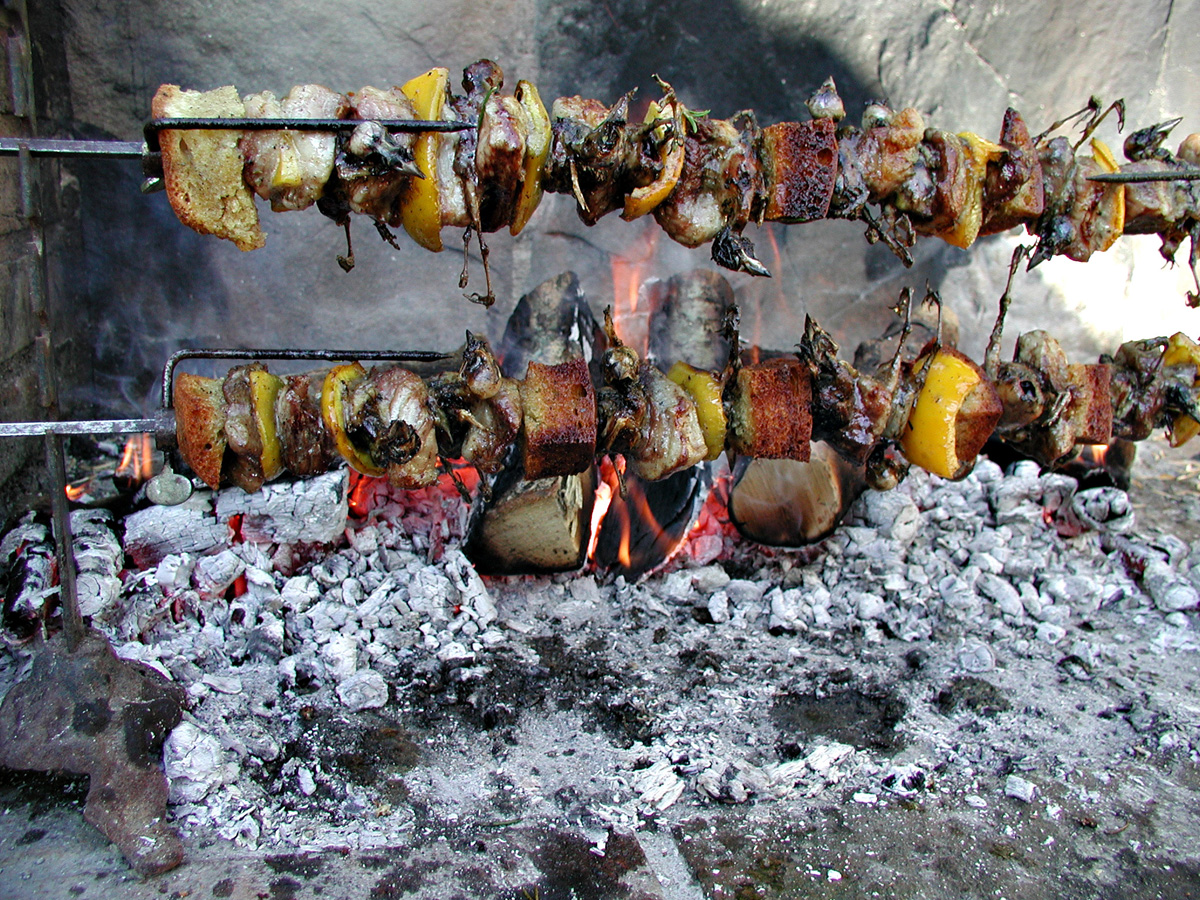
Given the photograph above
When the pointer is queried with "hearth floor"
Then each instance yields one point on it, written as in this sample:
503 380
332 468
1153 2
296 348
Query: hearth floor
628 745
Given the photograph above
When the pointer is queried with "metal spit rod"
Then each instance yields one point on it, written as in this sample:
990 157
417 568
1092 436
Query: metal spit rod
149 150
411 126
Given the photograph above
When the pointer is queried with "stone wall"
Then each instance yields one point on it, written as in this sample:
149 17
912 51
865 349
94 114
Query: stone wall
40 359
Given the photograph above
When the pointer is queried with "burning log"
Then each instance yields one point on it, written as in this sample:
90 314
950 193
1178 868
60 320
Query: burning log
788 503
642 529
647 520
534 526
541 524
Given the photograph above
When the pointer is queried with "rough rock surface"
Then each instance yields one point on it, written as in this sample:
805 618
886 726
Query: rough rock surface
84 710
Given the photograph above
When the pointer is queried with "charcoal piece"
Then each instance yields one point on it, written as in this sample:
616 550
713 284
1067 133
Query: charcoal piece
87 712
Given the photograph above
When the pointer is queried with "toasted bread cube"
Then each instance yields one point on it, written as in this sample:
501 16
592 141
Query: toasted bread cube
802 167
200 425
1090 412
770 410
560 419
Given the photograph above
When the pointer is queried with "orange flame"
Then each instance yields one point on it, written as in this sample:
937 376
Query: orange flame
137 459
628 272
600 503
626 519
1094 453
78 491
359 495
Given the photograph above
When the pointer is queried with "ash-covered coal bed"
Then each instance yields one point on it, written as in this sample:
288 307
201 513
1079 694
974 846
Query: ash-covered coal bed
1008 652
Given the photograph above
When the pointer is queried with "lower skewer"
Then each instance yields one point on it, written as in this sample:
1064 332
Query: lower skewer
163 423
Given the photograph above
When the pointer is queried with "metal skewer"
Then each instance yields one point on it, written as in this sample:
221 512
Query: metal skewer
150 152
411 126
1181 174
163 422
10 146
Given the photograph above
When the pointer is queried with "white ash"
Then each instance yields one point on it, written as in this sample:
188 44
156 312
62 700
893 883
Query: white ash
309 511
1020 788
392 628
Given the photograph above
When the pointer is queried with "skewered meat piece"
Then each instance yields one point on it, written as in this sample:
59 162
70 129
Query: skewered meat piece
720 183
381 423
850 411
671 439
890 149
499 159
290 169
1097 216
479 409
1013 192
646 416
306 448
241 430
373 167
594 155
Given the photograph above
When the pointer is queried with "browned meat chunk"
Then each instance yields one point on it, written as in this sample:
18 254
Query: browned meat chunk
307 448
499 159
374 166
670 438
1013 194
718 185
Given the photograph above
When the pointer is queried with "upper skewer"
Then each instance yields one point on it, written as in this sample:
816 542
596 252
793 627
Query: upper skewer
149 150
12 146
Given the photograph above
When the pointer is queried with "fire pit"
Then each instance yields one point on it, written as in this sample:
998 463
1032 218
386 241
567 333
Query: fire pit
996 669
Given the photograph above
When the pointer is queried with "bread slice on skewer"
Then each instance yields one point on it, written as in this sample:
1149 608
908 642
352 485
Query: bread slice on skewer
203 169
